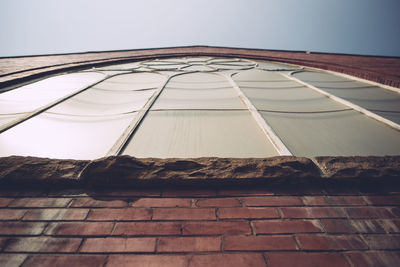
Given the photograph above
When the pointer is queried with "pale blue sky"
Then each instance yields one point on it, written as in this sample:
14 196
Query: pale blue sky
31 27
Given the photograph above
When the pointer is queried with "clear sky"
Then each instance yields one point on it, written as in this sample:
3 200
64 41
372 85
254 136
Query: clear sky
31 27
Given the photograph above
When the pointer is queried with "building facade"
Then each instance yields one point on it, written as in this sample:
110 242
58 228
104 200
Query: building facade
199 156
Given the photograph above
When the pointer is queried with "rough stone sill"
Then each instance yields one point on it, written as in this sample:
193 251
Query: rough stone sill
125 171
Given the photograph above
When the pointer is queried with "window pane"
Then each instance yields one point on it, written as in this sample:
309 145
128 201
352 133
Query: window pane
362 94
369 97
186 134
284 84
393 116
222 60
97 102
165 61
4 119
198 99
345 133
200 85
258 75
313 76
195 81
128 66
197 59
85 126
198 68
300 99
56 136
135 81
167 66
192 95
276 66
232 61
33 96
230 66
200 78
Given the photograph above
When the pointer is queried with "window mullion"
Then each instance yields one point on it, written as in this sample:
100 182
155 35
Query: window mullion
122 141
39 110
346 103
267 130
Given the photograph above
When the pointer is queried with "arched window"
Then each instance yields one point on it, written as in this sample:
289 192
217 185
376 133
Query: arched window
200 107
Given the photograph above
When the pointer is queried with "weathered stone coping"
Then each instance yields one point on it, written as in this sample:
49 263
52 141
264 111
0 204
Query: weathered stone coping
123 171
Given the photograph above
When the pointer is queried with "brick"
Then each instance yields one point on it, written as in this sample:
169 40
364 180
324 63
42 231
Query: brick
326 242
276 227
29 193
216 228
395 211
369 213
147 228
2 243
21 228
94 203
67 192
245 192
315 212
228 260
127 214
352 226
382 241
381 258
188 244
5 201
384 200
11 214
340 190
390 226
334 200
300 190
189 193
55 214
243 213
115 244
236 243
218 202
183 214
11 260
80 229
147 260
301 259
43 244
66 260
162 202
40 202
128 193
314 200
279 201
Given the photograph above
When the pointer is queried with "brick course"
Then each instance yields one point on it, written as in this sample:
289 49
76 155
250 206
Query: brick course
379 69
118 214
210 228
43 244
111 244
238 213
302 259
147 228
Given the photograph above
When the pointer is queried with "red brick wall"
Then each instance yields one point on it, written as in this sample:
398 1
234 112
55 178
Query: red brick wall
232 227
385 70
